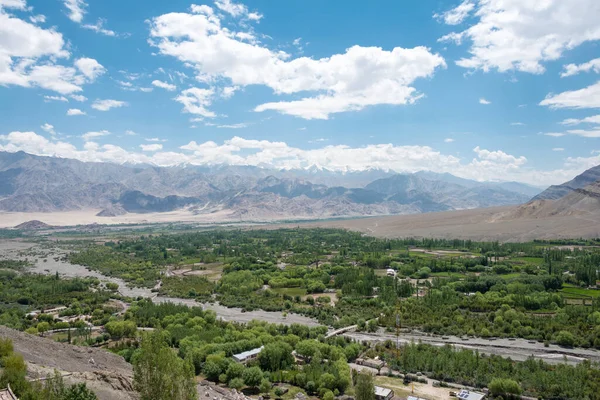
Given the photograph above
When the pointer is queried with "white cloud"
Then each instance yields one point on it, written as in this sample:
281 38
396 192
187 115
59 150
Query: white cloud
16 4
105 105
76 9
595 119
98 27
458 14
558 149
448 140
164 85
146 89
588 97
236 10
574 69
151 147
522 34
517 124
484 101
89 135
29 56
78 97
351 81
130 133
234 126
594 133
228 91
195 101
554 134
155 140
56 98
38 19
48 128
74 111
89 67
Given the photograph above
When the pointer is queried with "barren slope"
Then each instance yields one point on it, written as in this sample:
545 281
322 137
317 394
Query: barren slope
109 375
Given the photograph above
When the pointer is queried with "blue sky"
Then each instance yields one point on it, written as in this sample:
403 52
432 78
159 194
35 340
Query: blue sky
484 89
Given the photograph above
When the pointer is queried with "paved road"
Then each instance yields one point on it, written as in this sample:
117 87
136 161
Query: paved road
517 349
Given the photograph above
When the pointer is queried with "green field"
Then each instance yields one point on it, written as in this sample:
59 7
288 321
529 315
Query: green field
574 291
529 260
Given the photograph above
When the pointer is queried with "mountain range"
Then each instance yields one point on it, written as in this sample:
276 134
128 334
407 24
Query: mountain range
30 183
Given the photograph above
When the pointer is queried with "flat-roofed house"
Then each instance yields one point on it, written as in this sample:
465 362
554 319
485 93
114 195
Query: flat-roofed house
467 395
249 355
383 393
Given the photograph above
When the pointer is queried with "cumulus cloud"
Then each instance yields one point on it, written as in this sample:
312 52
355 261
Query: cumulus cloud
76 9
90 68
15 4
155 140
164 85
105 105
236 10
458 14
195 101
349 81
574 69
29 56
485 165
484 101
521 35
74 111
588 97
130 133
48 128
558 149
517 124
448 140
151 147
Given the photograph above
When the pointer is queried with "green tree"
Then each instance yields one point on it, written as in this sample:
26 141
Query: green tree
79 392
235 370
500 386
43 327
253 376
159 374
14 373
276 356
364 388
236 383
265 386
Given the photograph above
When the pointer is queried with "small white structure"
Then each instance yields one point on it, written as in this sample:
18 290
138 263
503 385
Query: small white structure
467 395
390 272
248 355
383 393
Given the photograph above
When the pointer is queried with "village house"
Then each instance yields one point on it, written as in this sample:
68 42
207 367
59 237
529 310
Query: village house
249 355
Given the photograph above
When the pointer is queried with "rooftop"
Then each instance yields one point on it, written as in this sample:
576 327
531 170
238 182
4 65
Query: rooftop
247 354
466 395
383 392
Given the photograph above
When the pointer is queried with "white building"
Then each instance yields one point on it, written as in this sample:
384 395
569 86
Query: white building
467 395
248 355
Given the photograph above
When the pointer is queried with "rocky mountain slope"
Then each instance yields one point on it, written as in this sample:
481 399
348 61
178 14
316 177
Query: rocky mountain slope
557 191
31 183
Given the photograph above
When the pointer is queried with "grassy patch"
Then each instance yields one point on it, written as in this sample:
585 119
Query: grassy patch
577 292
529 260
